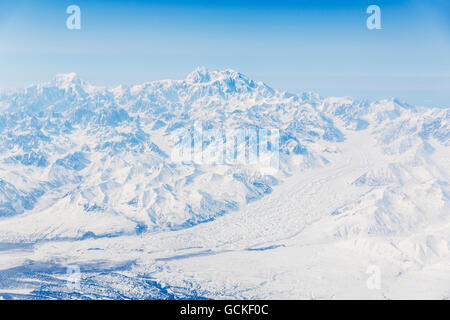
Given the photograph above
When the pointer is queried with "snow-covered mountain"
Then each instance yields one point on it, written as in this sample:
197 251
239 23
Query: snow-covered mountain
87 174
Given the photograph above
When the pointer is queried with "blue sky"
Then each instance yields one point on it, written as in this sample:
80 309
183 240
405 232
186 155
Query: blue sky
321 46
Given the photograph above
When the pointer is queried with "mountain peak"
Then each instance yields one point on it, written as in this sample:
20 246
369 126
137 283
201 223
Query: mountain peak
200 74
67 79
203 75
227 79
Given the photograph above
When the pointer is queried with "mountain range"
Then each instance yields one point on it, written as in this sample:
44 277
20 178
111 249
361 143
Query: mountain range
87 178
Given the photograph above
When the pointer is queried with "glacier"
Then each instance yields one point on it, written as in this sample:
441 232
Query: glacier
87 179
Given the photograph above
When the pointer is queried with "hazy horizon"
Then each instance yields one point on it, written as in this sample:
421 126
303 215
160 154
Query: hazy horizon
297 46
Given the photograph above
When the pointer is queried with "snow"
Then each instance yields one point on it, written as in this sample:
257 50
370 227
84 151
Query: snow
86 179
